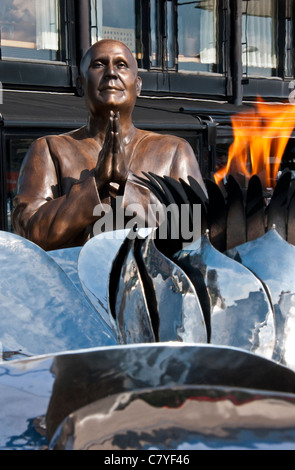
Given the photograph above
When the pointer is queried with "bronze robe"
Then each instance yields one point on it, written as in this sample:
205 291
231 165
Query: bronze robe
57 194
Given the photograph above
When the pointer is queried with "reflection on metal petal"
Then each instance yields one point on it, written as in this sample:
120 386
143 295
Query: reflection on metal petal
241 314
127 302
277 210
25 391
67 259
272 260
94 266
81 379
187 417
173 303
54 386
41 310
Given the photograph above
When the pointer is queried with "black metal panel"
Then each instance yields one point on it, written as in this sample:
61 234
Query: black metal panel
236 51
28 75
266 88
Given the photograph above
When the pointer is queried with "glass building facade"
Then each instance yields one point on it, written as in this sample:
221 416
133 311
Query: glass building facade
183 37
30 30
206 51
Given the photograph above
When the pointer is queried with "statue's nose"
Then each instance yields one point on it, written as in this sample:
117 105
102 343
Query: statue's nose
110 71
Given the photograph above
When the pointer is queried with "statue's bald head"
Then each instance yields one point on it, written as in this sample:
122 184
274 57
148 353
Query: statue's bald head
109 76
109 44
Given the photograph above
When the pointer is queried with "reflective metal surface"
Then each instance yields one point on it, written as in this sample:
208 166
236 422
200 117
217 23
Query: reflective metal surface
67 259
38 394
127 300
182 418
171 296
25 391
151 298
84 378
277 210
241 314
41 311
94 267
271 258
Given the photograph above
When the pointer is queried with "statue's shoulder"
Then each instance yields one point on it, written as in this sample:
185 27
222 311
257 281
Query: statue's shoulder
59 143
70 136
167 141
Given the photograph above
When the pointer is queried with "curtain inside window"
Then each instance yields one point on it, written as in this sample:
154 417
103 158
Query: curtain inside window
208 35
197 35
47 24
259 33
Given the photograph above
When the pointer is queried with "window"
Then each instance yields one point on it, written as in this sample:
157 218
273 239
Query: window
30 29
113 20
260 32
162 34
197 35
162 24
124 20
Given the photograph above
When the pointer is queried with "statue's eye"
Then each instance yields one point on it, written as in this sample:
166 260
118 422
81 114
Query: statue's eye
122 65
97 65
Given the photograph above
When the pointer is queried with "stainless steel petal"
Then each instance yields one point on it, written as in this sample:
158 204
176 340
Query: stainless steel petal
171 296
181 418
41 311
126 298
241 314
94 266
271 258
67 259
25 391
37 394
82 379
277 210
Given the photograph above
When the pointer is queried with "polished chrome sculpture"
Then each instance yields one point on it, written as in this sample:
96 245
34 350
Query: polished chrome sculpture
240 312
244 401
271 259
41 310
151 298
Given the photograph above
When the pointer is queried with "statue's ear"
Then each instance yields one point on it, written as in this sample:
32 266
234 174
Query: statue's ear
79 86
138 86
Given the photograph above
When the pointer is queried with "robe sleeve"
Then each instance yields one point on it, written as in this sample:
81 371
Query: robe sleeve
41 213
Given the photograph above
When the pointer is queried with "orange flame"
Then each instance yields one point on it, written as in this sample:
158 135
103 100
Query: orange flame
260 139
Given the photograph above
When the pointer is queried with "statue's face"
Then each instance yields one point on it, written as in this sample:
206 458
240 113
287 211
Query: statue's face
110 77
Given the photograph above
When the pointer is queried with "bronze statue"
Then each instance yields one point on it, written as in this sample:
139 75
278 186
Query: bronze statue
65 177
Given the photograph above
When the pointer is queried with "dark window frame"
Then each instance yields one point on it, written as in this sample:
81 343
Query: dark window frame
280 70
162 36
62 76
47 75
